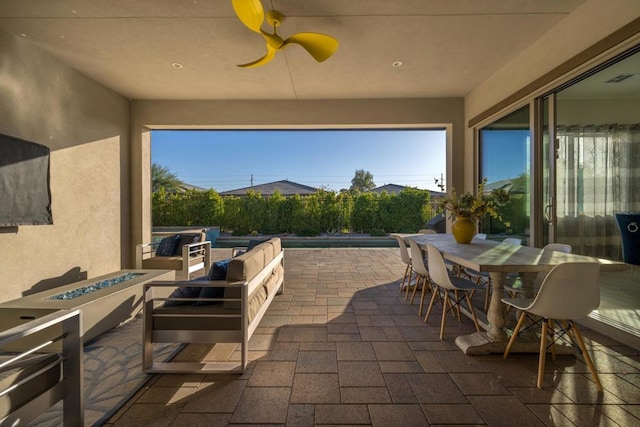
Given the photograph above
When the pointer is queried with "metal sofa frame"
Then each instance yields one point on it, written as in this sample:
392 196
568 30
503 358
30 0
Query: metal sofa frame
32 338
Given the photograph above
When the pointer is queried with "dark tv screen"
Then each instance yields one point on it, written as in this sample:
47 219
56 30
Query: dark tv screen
25 197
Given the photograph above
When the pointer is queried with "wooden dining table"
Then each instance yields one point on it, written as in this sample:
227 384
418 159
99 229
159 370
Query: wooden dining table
499 259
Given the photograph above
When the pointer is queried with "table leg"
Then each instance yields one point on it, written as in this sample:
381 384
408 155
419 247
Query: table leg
527 280
497 312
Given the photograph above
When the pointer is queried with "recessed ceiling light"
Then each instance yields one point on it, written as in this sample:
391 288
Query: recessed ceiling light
177 65
397 64
23 35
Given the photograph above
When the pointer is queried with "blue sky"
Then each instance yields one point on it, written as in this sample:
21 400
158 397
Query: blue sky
506 153
226 159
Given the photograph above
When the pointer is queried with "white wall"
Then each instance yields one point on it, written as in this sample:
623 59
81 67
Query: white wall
586 26
86 126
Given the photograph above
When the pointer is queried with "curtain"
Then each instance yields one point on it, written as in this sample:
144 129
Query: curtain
598 175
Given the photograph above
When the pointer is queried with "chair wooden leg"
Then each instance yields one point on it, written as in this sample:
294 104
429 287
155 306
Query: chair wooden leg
404 278
415 288
473 312
434 295
587 359
553 342
543 354
444 314
424 291
515 334
406 292
457 299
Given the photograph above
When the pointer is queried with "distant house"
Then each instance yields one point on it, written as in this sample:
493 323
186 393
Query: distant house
389 188
185 187
285 187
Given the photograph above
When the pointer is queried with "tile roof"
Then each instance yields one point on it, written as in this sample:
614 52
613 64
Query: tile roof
285 187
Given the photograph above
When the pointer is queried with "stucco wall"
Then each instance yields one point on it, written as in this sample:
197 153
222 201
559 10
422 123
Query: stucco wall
587 25
284 114
86 126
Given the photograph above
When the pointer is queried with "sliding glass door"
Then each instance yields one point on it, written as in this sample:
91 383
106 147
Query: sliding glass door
596 158
504 154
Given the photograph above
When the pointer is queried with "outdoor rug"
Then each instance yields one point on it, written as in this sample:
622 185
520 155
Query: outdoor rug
112 373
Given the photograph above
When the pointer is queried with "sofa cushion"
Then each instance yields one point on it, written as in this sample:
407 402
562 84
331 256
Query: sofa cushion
167 246
252 244
246 266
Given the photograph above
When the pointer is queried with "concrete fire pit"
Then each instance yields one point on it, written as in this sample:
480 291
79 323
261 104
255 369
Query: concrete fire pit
105 301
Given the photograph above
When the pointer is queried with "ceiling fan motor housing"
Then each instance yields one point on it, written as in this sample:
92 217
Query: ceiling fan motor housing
274 18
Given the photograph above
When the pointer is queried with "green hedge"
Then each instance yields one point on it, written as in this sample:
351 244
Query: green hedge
322 212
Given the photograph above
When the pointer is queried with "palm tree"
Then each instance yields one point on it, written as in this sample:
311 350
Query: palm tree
161 176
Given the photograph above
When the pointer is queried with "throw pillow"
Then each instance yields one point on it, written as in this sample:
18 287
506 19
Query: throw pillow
254 242
216 292
167 246
185 292
218 270
186 239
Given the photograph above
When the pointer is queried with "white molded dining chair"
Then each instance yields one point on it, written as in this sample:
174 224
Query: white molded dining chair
514 285
406 258
451 286
570 291
481 277
422 273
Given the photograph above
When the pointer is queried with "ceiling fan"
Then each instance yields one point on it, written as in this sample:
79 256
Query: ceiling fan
251 13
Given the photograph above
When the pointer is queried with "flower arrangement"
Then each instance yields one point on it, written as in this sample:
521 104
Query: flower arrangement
475 207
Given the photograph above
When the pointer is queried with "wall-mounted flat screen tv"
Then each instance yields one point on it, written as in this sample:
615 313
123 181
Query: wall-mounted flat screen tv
25 196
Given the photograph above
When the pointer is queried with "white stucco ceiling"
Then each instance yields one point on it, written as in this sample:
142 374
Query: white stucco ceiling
447 46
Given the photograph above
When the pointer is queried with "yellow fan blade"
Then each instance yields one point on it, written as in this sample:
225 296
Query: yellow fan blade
250 12
320 46
265 59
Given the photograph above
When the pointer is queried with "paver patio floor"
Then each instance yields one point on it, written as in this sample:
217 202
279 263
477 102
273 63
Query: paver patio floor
341 346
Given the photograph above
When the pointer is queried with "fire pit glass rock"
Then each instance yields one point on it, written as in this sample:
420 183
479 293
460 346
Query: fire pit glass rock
84 290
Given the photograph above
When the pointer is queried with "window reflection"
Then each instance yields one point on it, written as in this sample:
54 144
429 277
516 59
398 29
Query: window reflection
504 162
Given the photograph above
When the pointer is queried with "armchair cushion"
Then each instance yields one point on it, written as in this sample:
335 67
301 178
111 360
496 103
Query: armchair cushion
185 239
167 246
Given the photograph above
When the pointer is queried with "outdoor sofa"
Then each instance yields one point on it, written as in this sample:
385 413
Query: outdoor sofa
226 310
33 377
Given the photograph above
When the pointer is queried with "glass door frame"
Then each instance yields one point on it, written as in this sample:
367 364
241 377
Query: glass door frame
544 196
535 164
